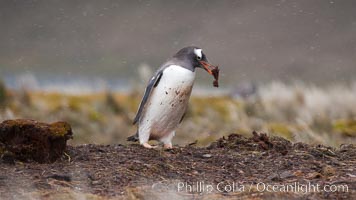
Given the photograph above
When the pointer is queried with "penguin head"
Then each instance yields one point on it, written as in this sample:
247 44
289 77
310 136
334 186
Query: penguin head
195 58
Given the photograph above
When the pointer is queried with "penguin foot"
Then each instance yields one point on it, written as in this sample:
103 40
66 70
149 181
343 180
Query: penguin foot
148 146
168 146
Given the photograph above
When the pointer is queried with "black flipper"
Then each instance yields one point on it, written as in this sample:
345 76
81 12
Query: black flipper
152 84
181 119
133 138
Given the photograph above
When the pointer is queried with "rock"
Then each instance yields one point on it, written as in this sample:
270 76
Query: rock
281 176
274 177
207 156
31 140
286 174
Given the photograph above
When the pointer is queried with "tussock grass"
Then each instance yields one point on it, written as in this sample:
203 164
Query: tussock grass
297 112
3 94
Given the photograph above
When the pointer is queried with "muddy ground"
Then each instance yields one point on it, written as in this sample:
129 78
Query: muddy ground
132 172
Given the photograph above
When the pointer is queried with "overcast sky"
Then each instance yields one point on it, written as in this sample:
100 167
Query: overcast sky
251 40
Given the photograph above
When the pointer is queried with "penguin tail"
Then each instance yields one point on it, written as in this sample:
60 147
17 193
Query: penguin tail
133 138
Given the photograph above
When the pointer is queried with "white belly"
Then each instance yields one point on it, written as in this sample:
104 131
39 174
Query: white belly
168 102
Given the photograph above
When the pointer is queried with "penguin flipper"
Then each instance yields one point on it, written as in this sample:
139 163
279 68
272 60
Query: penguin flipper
181 119
133 138
151 85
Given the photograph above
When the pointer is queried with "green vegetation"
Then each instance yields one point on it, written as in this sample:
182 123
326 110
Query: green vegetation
314 116
284 130
346 127
3 93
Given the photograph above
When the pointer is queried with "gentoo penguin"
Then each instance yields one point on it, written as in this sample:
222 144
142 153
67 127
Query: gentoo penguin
166 97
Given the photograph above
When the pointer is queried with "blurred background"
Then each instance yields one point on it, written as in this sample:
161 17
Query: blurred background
287 67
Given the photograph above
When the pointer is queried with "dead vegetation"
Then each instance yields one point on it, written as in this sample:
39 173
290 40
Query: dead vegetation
299 112
306 116
120 171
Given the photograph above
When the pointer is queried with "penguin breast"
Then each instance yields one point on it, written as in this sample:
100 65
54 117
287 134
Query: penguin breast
168 101
174 88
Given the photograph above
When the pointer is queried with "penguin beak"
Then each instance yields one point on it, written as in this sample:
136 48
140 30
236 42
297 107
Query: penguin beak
207 66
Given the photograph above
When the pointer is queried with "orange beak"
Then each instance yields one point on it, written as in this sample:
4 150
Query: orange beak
207 66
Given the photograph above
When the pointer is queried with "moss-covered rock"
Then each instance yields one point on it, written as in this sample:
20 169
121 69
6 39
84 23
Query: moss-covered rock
31 140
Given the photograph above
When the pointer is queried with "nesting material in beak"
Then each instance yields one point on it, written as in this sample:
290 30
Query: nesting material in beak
213 70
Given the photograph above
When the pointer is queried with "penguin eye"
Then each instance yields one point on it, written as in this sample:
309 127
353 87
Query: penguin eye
198 53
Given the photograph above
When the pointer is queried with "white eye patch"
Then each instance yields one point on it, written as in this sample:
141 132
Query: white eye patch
198 53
